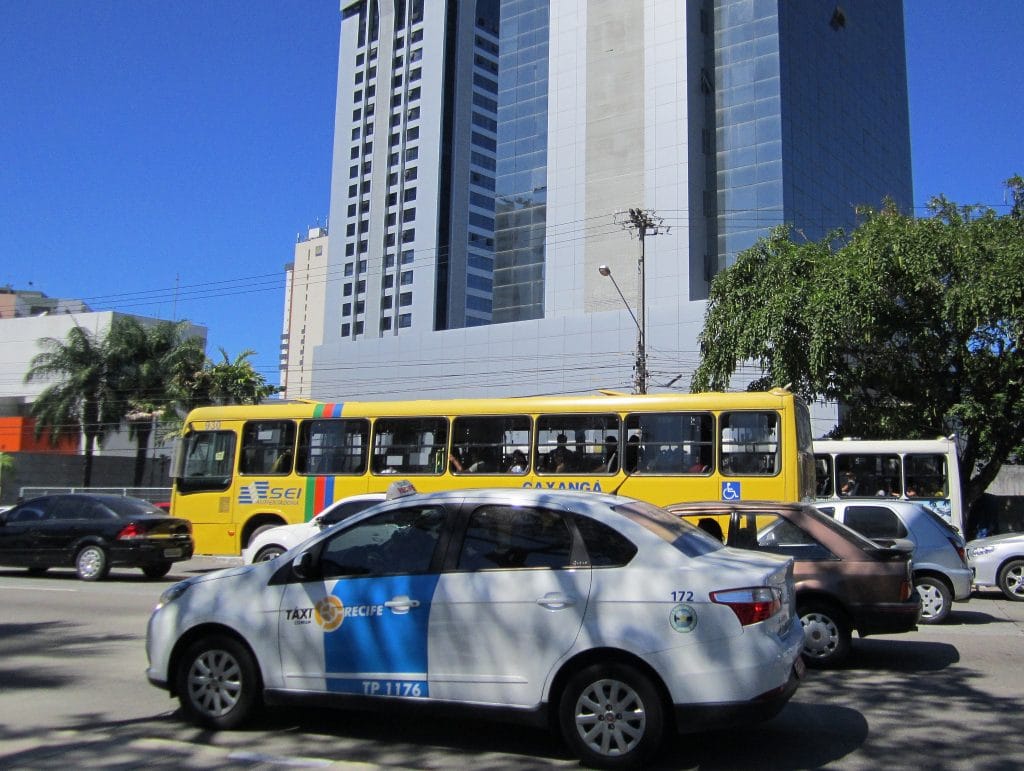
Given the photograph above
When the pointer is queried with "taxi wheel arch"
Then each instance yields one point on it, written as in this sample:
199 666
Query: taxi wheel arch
1011 579
257 524
238 692
637 677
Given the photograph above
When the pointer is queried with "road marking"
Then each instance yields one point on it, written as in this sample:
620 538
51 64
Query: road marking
37 588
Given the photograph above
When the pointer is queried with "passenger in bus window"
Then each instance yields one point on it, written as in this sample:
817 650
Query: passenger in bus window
611 454
633 453
849 486
518 462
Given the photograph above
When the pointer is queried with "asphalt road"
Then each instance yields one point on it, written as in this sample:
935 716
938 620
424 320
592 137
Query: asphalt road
73 694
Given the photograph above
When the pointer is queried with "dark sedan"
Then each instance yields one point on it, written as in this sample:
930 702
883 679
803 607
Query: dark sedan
844 582
93 533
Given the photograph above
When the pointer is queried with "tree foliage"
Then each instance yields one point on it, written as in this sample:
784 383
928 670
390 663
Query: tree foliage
82 401
913 324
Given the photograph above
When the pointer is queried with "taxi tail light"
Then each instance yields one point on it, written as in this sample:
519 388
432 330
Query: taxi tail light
130 531
751 605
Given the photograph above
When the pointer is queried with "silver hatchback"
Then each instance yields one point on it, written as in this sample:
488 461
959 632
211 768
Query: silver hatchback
941 574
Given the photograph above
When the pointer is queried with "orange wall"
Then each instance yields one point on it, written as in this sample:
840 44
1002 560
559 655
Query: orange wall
18 435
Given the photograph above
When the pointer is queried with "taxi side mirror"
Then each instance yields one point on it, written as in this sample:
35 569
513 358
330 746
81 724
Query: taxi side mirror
304 566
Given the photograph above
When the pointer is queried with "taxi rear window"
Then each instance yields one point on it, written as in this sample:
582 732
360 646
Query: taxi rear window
687 538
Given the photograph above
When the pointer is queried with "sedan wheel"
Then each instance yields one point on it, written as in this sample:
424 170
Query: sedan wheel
611 716
1011 580
826 635
268 553
91 563
218 683
936 599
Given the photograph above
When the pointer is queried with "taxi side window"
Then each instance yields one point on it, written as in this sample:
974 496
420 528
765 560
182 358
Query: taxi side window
401 541
606 547
511 537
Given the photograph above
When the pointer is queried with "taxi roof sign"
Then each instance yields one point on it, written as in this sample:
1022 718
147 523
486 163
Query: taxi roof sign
399 489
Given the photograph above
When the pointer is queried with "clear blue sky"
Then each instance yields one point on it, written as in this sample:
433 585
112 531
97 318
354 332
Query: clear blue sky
159 158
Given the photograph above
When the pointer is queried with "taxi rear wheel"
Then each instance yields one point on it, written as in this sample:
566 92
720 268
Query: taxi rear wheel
268 553
611 716
218 683
936 599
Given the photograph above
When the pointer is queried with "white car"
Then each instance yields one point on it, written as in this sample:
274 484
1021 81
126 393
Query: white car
275 541
999 561
609 614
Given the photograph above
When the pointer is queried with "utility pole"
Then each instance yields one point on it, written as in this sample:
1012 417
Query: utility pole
644 222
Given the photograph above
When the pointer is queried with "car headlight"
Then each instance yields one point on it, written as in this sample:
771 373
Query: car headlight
977 551
172 593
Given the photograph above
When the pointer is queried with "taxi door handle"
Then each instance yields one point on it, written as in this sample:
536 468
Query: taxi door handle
401 604
556 601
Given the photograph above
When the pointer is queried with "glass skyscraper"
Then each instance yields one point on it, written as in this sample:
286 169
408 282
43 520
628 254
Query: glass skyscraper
484 151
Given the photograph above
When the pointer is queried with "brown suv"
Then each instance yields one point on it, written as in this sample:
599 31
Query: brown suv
844 582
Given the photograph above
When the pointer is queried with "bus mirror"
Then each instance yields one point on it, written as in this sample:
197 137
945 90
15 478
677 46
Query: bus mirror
178 458
400 489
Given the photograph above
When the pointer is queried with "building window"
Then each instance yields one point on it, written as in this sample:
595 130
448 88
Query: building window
360 307
385 324
389 260
405 299
349 267
346 309
353 191
385 303
350 249
362 266
408 215
318 251
347 290
351 210
361 287
414 94
357 97
346 330
359 327
415 74
410 174
389 281
350 229
405 320
353 172
406 277
407 257
363 247
408 235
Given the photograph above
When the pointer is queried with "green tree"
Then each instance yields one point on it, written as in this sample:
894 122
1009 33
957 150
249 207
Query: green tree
142 362
81 403
913 324
233 381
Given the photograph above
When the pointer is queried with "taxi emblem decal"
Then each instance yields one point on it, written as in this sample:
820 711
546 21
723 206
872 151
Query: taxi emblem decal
329 613
682 618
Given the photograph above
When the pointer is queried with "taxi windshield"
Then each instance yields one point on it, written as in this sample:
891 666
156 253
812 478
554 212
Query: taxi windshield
687 538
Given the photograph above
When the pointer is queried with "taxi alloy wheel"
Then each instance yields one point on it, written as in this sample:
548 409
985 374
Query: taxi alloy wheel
1011 580
611 716
826 635
218 682
91 563
936 599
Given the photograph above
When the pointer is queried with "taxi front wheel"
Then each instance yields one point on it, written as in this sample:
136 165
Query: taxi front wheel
218 682
611 716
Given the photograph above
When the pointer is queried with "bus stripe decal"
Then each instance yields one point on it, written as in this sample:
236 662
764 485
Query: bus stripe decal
310 507
318 411
328 493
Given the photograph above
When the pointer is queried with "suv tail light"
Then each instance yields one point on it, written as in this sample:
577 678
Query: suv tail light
751 605
130 531
906 589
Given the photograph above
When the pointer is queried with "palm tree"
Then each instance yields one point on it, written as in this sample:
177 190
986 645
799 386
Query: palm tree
6 464
143 361
81 402
233 382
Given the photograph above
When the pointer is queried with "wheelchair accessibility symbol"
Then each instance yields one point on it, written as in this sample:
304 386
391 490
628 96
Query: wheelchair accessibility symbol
731 491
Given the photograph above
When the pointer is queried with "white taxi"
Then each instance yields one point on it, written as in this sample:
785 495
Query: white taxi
608 615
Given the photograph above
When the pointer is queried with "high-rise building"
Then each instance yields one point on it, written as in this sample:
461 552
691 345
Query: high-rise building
303 328
486 155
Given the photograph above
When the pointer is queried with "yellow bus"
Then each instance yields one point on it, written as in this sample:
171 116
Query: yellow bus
238 469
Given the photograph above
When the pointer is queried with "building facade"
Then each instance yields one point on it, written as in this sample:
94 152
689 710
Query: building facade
305 279
486 153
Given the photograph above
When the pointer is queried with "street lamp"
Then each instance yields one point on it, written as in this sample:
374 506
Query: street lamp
641 351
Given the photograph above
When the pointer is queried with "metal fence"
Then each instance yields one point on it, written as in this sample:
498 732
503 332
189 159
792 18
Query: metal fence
151 494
